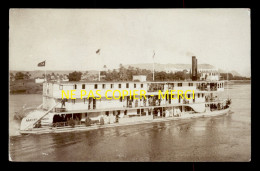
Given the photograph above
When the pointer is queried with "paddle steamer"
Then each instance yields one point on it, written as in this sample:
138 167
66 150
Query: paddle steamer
58 115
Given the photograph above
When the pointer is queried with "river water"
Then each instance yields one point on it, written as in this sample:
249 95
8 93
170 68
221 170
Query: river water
221 138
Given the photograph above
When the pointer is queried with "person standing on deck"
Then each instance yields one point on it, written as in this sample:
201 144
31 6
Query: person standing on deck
62 103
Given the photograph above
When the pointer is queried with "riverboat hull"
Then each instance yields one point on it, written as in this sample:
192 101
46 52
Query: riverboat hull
144 120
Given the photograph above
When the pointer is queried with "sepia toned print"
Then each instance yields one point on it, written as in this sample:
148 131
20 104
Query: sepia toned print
129 85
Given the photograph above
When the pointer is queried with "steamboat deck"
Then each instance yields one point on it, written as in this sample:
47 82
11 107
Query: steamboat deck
45 130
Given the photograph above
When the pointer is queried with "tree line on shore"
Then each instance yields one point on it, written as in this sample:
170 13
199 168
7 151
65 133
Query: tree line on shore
27 76
230 76
124 74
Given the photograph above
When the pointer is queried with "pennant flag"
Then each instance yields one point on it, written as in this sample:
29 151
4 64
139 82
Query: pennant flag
98 51
41 64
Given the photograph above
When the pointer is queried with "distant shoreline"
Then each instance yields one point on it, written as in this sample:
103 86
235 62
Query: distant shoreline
39 93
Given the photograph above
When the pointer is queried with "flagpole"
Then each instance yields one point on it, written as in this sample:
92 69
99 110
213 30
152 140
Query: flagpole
99 70
153 65
153 71
99 75
45 72
227 84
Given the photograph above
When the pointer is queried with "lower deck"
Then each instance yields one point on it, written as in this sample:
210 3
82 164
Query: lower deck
82 127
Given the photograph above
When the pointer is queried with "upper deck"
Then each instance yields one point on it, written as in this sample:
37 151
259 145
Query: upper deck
54 89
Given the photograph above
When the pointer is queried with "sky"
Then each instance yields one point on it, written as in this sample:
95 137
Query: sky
69 38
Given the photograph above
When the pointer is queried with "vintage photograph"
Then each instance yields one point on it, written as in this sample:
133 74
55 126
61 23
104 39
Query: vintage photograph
129 85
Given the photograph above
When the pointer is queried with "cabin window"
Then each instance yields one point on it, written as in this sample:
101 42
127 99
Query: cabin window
103 86
138 111
75 86
119 85
179 84
202 95
107 113
134 85
96 86
73 101
61 87
83 86
188 96
190 84
198 95
142 85
112 86
127 85
121 99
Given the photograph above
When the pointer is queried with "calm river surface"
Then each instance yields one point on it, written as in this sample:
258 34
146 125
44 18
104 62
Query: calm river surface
222 138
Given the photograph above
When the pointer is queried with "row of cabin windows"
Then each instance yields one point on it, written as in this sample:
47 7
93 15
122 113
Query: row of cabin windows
121 98
138 111
103 86
202 95
212 74
119 86
112 86
127 86
118 112
180 84
221 85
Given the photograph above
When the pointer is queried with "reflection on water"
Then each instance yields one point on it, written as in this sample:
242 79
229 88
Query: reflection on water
222 138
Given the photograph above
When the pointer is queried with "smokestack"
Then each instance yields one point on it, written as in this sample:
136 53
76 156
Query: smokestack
194 68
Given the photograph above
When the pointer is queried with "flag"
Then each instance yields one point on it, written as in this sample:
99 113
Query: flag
153 54
41 64
98 51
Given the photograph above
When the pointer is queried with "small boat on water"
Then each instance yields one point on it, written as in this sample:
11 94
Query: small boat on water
58 115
